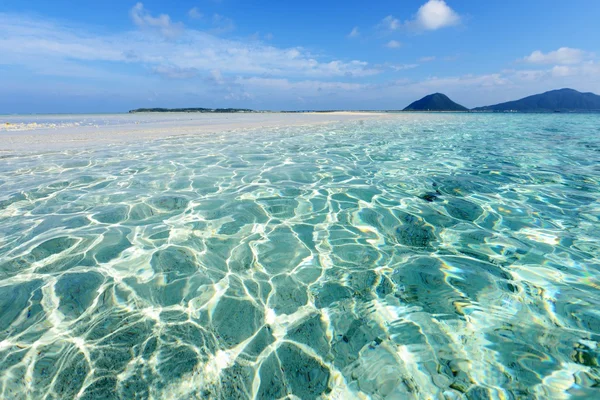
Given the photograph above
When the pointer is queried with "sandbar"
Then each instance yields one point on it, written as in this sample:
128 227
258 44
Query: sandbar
63 132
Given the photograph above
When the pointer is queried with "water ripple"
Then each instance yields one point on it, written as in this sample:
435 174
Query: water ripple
450 256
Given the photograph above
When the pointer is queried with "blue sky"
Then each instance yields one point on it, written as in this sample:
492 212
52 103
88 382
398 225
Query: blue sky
111 56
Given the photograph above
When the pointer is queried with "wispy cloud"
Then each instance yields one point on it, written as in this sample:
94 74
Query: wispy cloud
306 85
396 67
194 13
403 67
393 44
354 33
562 56
427 59
469 80
222 24
175 72
258 36
162 23
164 60
29 42
390 23
525 75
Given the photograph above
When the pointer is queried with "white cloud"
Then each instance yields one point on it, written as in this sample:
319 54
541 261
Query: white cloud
393 44
525 75
469 81
562 56
587 72
257 36
194 13
427 59
561 70
396 67
174 72
390 23
305 86
354 33
433 15
222 24
31 42
203 68
162 23
217 76
590 69
403 67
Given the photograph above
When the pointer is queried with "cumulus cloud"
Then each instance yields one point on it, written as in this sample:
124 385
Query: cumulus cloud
588 70
433 15
162 23
561 70
393 44
354 33
562 56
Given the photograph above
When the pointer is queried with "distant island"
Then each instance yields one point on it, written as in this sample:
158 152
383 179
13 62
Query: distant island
561 100
435 102
193 110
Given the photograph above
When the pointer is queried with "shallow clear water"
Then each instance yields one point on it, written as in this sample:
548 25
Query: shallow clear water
440 256
62 122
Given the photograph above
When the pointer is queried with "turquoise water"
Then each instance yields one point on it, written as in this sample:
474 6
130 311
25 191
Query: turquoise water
436 256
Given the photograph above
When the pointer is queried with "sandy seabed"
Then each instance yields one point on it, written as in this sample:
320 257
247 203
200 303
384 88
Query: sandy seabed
330 256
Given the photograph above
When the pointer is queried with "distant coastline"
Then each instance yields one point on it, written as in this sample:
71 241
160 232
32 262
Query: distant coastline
192 110
554 101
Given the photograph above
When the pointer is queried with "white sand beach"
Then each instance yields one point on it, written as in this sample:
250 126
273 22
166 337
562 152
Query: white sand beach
61 132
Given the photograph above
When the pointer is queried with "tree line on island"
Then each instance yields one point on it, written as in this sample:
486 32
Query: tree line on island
561 100
192 109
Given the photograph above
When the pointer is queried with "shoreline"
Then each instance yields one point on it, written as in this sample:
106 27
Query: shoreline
41 133
49 133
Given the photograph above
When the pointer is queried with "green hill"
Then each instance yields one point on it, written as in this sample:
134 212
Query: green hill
562 100
435 102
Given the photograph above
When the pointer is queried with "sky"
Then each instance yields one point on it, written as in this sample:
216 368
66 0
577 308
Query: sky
59 56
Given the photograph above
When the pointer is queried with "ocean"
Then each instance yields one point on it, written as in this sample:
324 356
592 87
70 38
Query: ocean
418 256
